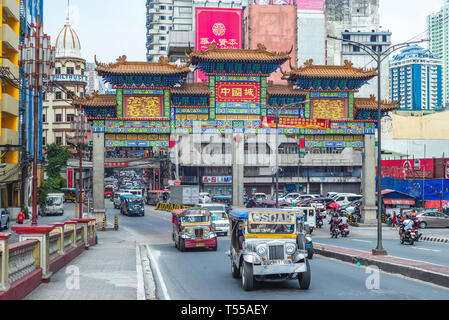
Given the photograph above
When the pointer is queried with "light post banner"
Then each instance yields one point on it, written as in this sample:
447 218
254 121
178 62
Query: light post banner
220 25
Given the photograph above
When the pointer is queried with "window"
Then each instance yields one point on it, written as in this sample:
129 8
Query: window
70 70
58 70
44 118
59 140
162 17
161 27
162 48
356 49
70 117
58 95
162 38
59 117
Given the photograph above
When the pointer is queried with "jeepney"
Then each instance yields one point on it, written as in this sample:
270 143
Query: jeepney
193 228
69 194
309 214
132 205
302 227
219 217
266 246
156 196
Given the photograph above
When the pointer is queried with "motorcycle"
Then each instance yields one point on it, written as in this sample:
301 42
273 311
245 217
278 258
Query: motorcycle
319 221
418 235
408 236
335 231
344 230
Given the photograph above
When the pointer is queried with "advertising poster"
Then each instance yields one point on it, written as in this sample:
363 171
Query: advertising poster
143 106
220 25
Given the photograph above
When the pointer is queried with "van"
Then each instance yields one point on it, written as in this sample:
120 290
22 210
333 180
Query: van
54 204
346 198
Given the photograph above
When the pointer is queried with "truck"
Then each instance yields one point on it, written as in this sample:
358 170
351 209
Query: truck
184 195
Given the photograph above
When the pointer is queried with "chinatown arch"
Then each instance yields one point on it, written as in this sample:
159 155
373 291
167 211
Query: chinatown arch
154 106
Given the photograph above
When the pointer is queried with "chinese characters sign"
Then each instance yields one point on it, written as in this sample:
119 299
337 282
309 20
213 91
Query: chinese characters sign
237 91
219 25
268 122
143 106
329 109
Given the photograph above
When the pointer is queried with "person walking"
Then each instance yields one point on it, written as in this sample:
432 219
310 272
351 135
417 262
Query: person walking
394 222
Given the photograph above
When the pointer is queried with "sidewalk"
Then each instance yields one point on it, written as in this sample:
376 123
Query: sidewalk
420 270
107 271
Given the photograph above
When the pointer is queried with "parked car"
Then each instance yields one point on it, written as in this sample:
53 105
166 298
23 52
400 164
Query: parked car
290 197
4 219
429 219
346 198
303 197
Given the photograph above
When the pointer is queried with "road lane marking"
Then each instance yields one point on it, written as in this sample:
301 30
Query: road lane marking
361 240
434 250
158 272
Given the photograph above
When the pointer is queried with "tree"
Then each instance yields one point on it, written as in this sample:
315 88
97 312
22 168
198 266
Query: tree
57 157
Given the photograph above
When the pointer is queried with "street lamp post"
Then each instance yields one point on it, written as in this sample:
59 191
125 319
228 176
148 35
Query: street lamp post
378 56
37 58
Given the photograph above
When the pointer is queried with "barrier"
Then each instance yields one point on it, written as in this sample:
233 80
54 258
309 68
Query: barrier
104 223
41 251
116 223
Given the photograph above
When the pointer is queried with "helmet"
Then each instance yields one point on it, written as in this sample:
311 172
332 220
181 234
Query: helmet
413 214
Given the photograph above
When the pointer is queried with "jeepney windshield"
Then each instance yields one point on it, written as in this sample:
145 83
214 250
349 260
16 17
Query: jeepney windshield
272 223
219 216
135 201
194 219
54 201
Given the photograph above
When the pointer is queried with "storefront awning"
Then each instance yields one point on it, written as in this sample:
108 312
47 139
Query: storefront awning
410 202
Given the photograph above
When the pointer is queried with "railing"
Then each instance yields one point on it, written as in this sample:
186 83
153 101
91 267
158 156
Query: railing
25 264
53 249
21 260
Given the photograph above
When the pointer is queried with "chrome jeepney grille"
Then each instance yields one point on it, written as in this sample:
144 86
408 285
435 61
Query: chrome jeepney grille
276 252
198 233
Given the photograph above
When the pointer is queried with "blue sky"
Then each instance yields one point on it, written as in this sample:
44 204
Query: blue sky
111 28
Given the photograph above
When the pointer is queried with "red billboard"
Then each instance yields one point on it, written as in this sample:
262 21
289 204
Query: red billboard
70 179
220 25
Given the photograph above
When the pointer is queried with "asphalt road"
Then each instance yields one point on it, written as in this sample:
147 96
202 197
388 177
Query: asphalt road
205 274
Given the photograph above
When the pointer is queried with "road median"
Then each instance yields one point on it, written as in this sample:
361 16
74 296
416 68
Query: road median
432 273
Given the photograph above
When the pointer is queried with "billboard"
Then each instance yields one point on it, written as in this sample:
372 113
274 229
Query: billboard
274 27
237 91
143 106
220 25
310 5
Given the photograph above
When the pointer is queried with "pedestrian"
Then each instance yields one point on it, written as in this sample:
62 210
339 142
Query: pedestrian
20 217
394 222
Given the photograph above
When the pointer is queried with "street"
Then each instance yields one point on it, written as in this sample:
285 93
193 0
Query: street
204 274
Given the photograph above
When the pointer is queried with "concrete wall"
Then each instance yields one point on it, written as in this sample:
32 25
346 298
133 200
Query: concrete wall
434 126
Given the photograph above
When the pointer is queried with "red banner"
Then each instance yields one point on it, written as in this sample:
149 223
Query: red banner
220 25
70 179
116 164
268 122
237 91
410 202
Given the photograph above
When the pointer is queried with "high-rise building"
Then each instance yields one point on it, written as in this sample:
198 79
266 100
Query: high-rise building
416 79
437 33
94 82
10 166
357 20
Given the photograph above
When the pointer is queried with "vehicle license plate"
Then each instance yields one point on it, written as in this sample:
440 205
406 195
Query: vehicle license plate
200 244
277 262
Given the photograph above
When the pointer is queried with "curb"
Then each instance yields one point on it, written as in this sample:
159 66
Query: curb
146 273
389 267
434 239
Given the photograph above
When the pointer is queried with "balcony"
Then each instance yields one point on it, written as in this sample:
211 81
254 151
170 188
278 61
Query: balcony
6 63
9 173
11 8
10 38
9 137
9 105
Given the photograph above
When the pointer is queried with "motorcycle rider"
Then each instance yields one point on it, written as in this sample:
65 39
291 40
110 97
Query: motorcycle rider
416 224
334 222
406 225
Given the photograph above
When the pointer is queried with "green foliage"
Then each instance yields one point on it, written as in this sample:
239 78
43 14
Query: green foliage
57 157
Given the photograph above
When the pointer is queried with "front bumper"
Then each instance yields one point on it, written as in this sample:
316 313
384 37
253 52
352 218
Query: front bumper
262 270
136 212
221 229
198 243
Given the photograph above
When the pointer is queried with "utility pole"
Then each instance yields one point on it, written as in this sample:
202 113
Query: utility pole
378 57
37 57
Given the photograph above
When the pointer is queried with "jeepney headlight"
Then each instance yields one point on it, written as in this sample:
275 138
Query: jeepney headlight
290 248
261 251
206 230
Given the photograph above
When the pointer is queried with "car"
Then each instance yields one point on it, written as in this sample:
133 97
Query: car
290 197
205 197
303 197
346 198
219 217
435 219
4 219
